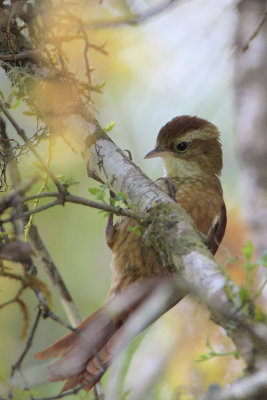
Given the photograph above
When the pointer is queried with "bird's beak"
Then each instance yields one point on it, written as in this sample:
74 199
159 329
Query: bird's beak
157 152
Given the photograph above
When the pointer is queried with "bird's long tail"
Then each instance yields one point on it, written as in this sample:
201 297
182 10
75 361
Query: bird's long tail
77 349
86 353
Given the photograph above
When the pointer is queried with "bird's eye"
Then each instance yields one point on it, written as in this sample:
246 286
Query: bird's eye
181 146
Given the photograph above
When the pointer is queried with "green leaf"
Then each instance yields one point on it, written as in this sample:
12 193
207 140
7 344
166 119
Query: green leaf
93 190
28 113
99 192
263 259
236 354
27 228
202 357
125 395
244 294
109 127
100 85
120 196
250 266
247 250
135 229
260 289
260 316
67 180
16 105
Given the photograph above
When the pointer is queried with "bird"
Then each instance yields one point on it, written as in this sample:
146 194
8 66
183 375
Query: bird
192 156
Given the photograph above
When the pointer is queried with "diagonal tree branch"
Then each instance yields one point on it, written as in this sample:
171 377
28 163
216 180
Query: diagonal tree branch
171 233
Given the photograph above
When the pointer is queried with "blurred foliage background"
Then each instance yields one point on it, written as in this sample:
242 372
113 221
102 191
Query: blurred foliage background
179 61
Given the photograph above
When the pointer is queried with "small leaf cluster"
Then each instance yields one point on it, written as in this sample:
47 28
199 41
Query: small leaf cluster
137 229
109 127
247 291
67 180
213 353
101 194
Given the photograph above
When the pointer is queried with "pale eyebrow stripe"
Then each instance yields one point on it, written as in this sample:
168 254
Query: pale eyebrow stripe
189 136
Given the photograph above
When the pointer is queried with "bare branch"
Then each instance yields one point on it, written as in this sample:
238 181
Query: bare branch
22 134
90 203
70 392
255 34
31 212
20 56
43 256
14 299
29 341
69 198
21 189
47 312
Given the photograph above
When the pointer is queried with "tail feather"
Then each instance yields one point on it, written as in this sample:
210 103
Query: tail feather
95 367
63 345
75 349
86 354
72 383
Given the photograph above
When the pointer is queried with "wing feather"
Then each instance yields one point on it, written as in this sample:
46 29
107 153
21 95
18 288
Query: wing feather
217 229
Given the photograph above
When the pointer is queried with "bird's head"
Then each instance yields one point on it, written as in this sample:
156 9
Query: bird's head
189 146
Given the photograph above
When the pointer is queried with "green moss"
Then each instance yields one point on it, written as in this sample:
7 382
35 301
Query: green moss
259 314
164 221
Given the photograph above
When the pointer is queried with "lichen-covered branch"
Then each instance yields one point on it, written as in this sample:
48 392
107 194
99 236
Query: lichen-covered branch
171 233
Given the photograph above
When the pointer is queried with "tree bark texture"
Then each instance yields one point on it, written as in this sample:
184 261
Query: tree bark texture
251 101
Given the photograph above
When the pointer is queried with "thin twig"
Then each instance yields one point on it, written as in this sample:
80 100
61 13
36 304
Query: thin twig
22 134
103 206
70 198
31 212
12 165
255 34
21 189
27 346
21 55
44 258
49 313
90 203
14 299
95 378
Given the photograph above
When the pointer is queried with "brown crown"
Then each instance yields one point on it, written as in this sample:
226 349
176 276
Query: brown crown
178 126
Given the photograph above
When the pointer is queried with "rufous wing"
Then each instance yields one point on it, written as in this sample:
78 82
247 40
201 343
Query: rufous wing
217 229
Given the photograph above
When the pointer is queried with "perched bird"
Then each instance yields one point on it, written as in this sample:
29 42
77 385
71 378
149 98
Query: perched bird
192 156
